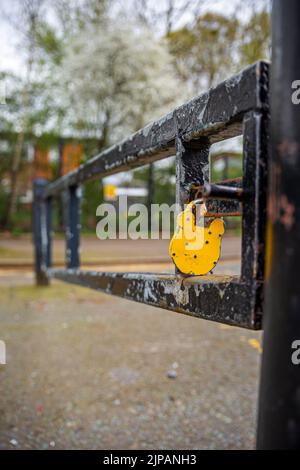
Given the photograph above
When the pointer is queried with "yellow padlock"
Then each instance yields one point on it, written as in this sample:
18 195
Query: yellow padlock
195 250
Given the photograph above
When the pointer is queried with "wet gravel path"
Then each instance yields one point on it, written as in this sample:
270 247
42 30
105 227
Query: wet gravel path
89 371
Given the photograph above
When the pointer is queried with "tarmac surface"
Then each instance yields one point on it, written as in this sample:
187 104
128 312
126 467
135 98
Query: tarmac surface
89 371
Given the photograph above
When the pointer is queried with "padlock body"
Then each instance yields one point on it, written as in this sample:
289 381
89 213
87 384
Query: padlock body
195 249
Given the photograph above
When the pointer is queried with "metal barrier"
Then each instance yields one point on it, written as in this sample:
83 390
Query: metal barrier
279 401
238 106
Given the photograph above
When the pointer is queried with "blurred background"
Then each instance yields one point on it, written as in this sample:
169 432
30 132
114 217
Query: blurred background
77 76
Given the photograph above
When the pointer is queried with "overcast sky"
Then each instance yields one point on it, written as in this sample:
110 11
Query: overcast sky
11 58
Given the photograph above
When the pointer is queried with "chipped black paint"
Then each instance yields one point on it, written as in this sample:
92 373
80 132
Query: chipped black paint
220 191
220 207
73 227
279 401
218 298
212 116
237 106
41 230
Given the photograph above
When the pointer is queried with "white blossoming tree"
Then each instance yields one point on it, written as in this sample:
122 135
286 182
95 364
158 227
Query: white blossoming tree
116 78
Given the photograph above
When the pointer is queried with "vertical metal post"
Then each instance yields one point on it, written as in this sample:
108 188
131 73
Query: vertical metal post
41 232
192 168
48 223
73 228
151 188
255 151
279 401
60 200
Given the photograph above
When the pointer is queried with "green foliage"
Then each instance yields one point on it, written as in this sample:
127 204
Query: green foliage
216 45
117 81
203 50
255 39
92 197
235 170
163 182
49 45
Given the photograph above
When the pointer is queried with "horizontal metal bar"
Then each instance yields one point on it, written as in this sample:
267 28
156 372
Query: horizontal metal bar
212 116
223 299
219 207
218 191
197 190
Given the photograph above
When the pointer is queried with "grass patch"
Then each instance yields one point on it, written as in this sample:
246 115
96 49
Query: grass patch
56 291
10 253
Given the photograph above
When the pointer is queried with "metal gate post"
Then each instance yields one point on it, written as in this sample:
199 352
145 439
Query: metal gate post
279 401
73 227
192 168
41 231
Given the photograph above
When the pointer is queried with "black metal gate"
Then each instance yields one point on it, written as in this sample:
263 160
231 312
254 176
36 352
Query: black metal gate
237 106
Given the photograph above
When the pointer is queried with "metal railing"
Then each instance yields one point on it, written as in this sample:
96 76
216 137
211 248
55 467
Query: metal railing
237 106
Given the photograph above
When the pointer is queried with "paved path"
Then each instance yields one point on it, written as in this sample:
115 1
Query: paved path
86 370
19 251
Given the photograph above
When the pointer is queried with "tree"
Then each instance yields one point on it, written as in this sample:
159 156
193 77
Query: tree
204 51
255 38
29 15
115 83
165 15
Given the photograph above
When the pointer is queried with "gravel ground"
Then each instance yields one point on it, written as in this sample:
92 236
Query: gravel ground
89 371
19 251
